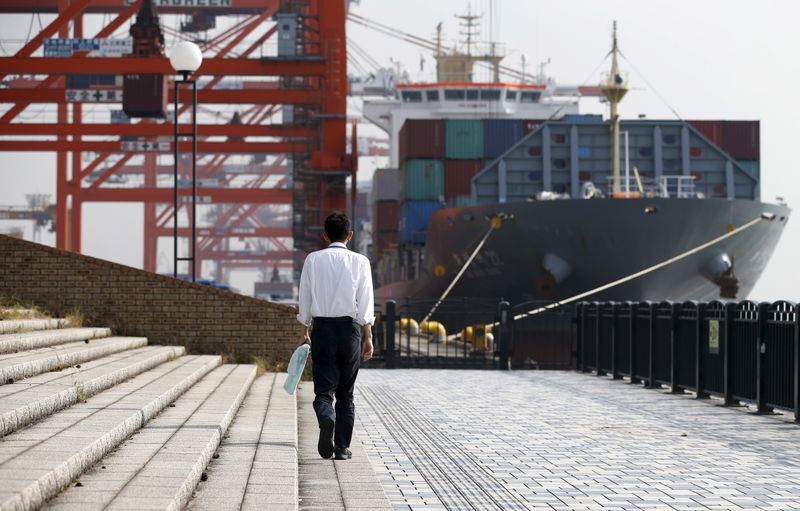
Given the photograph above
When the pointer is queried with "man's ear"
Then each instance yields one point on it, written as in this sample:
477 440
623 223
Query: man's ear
326 238
349 236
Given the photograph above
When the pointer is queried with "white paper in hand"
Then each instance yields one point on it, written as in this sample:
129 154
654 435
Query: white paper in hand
296 365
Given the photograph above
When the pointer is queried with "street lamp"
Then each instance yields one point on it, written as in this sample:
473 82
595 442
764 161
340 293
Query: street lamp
185 58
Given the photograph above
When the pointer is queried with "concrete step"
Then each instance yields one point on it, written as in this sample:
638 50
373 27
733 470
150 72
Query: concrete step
38 462
11 343
328 484
160 465
256 467
27 325
16 366
32 399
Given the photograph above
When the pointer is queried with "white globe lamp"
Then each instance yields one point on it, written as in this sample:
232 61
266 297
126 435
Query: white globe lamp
185 58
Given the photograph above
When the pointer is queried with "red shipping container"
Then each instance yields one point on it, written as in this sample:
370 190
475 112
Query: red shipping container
422 138
458 176
741 139
712 130
386 215
384 240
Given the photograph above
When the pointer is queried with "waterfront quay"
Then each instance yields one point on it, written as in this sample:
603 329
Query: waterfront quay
466 439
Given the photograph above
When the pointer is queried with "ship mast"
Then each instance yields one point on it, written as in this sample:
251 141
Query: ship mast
614 87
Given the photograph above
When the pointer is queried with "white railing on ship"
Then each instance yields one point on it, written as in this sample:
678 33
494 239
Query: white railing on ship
681 187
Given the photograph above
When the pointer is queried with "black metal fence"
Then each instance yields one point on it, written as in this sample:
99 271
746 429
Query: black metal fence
741 352
473 333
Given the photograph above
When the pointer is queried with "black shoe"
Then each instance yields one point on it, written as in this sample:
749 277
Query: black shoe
325 445
343 454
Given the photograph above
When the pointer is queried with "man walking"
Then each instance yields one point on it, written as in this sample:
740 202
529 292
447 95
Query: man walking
336 303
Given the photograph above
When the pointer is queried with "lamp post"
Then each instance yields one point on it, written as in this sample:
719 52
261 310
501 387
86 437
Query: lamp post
185 58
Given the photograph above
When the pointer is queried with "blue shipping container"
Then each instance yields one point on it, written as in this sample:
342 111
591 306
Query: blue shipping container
499 135
576 118
414 217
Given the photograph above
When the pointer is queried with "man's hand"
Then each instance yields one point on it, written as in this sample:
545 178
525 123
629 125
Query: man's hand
366 342
305 339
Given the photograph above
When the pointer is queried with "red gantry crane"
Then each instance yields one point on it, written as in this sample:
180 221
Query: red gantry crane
268 172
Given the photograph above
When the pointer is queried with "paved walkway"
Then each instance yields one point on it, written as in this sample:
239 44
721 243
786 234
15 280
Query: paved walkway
561 440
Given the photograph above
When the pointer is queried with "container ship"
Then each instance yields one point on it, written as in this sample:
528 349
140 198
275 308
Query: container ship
577 200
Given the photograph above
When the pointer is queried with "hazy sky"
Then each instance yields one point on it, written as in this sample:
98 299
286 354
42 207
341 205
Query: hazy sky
714 59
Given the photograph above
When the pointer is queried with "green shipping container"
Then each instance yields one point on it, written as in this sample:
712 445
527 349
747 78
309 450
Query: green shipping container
753 167
464 139
422 180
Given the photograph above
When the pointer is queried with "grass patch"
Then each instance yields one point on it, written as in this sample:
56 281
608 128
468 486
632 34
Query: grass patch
14 309
75 318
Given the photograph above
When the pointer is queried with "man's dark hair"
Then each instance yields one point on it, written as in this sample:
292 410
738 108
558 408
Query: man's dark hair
337 226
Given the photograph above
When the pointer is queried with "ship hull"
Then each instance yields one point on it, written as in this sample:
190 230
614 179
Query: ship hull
553 250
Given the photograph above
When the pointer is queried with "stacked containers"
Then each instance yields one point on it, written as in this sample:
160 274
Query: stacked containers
458 176
499 135
464 140
421 138
422 149
740 139
386 210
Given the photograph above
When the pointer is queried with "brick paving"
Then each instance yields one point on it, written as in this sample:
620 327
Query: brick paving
561 440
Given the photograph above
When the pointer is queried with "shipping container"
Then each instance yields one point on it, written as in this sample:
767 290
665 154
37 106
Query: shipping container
422 180
712 130
458 176
464 139
414 217
422 138
499 135
385 185
583 118
383 241
529 125
145 95
386 215
740 139
753 167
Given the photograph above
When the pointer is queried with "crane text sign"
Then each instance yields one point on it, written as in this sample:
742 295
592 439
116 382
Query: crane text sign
93 95
188 3
61 47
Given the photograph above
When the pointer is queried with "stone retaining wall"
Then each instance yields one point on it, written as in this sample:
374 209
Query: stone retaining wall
134 302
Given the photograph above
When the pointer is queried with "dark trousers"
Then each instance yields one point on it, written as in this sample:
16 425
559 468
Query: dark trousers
336 354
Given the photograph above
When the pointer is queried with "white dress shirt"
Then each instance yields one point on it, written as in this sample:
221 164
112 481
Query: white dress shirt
336 282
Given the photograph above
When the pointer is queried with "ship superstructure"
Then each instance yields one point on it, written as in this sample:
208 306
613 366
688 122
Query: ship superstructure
585 200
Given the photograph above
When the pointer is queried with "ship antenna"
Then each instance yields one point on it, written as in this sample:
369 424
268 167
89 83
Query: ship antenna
614 87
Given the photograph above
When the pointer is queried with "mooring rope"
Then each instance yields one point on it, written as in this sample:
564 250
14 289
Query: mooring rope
461 271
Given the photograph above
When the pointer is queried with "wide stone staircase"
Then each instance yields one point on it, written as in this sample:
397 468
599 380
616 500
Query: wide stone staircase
90 421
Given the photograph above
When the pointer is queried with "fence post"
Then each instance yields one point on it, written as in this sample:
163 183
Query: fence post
505 331
391 317
698 368
761 348
634 307
579 310
726 354
797 363
673 351
651 377
614 314
599 309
